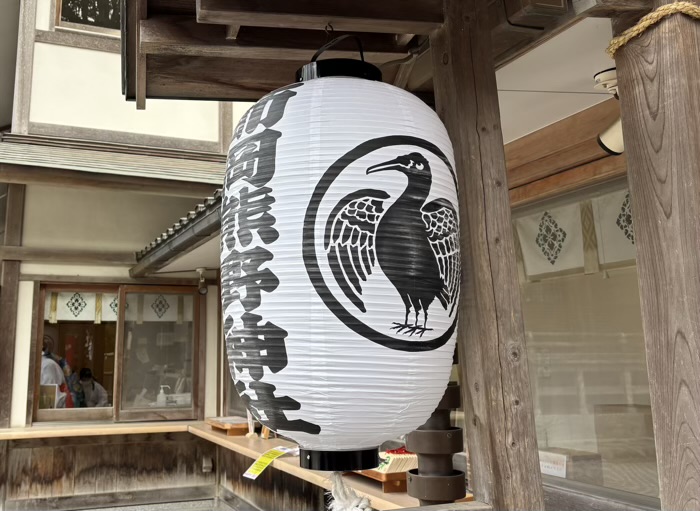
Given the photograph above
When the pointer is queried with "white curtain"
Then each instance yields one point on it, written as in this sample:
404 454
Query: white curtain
551 240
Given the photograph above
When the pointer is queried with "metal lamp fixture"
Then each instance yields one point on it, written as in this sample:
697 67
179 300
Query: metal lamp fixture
611 138
340 262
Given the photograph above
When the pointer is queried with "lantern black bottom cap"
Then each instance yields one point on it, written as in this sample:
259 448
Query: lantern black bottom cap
339 461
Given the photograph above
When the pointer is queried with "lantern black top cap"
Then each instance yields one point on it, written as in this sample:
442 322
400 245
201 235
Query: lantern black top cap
339 67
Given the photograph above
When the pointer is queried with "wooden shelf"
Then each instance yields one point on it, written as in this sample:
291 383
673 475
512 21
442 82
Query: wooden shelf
250 447
254 447
64 430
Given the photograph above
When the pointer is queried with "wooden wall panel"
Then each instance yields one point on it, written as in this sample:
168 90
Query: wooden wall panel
72 472
273 490
9 288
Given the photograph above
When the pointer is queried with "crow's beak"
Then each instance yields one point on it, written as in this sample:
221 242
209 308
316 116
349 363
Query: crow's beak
394 164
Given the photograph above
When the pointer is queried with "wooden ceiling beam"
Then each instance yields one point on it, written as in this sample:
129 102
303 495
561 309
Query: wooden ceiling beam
182 35
385 16
610 8
219 79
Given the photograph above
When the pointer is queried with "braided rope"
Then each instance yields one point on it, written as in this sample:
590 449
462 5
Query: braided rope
651 19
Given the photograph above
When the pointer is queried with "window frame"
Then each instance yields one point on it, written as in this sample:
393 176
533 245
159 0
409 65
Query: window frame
69 26
196 410
570 492
69 414
114 413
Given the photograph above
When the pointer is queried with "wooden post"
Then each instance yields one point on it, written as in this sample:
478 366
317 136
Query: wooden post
659 86
500 426
8 299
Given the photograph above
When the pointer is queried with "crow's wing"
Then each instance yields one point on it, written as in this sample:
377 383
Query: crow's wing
349 240
442 226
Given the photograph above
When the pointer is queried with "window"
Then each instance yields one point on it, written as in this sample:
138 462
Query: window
585 344
159 362
123 352
91 15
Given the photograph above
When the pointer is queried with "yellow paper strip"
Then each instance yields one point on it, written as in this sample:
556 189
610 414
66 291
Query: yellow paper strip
266 458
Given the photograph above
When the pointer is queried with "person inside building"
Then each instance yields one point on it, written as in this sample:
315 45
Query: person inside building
52 374
71 377
95 394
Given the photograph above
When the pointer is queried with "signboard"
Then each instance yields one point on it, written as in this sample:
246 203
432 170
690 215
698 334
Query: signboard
553 464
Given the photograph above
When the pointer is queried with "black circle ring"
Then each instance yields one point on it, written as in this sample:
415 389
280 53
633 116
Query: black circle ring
309 244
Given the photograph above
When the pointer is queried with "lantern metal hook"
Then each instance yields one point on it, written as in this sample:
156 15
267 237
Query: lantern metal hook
329 30
335 41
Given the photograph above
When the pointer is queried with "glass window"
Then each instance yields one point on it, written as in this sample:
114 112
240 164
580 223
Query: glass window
76 371
159 355
126 352
585 344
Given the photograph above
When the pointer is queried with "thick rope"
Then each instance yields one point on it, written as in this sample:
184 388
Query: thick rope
344 498
651 19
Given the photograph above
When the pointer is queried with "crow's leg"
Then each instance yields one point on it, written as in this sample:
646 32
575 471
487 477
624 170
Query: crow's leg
407 304
417 306
425 318
400 327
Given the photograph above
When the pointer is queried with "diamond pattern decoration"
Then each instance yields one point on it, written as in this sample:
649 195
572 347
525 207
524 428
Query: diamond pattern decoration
160 306
624 219
550 237
76 304
114 305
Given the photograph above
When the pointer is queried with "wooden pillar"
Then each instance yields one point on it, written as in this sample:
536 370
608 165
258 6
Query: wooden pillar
3 473
659 86
499 421
8 299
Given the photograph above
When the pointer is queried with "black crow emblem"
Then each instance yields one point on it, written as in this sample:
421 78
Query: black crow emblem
415 244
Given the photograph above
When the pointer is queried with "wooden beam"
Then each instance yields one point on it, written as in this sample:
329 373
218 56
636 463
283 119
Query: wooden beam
232 32
25 66
659 85
563 145
9 287
404 73
499 420
387 16
24 174
49 255
535 13
182 35
597 172
129 29
4 465
141 65
610 8
217 78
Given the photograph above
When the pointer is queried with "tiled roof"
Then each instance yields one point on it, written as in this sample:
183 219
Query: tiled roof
200 211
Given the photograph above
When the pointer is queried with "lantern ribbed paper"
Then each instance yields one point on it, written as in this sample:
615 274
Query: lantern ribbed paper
340 262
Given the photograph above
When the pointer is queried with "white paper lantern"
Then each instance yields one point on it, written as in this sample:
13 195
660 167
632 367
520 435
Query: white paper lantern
339 221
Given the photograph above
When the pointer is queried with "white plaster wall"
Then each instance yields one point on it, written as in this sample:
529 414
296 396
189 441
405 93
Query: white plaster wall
82 88
97 220
9 20
43 14
240 108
